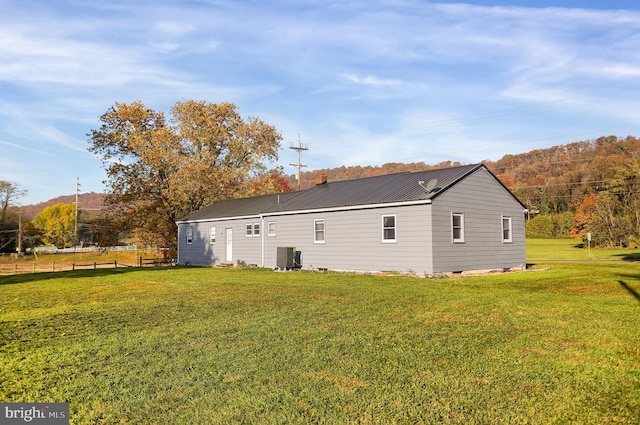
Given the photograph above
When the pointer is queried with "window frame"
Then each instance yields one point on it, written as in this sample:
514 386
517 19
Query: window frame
271 228
460 228
256 230
317 221
384 228
189 235
248 230
509 229
212 235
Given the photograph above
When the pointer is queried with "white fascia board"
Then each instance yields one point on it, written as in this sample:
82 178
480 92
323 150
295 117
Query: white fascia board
208 220
314 210
350 208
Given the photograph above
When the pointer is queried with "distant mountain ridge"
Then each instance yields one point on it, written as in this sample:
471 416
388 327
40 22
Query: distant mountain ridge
92 203
562 175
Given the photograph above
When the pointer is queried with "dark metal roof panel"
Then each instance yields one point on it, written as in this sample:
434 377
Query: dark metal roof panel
239 207
400 187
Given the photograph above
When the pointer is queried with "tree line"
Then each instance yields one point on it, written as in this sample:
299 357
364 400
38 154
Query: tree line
591 186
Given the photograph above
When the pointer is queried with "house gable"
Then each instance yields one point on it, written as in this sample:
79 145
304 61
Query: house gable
481 204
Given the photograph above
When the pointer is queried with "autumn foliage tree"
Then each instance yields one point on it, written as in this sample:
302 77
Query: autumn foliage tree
56 225
159 170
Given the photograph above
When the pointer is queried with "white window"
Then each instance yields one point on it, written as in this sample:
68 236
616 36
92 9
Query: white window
256 229
389 228
318 231
249 230
271 228
506 229
212 235
189 234
457 227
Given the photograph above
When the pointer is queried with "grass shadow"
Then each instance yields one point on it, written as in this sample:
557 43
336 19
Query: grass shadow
71 274
630 290
631 256
580 245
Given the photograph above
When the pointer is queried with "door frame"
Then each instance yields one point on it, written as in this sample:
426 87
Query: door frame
229 244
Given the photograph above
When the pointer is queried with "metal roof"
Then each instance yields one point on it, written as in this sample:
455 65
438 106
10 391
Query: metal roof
391 188
239 207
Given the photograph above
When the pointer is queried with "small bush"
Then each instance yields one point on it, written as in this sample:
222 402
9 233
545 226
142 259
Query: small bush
549 225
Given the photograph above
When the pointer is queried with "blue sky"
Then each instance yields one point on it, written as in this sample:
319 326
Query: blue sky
363 82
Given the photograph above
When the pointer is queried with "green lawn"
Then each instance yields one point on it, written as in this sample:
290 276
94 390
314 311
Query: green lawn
575 250
212 346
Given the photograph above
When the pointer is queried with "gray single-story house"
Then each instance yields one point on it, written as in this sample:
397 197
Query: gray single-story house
447 220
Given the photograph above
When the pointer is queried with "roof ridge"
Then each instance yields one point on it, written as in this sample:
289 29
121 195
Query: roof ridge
384 188
395 174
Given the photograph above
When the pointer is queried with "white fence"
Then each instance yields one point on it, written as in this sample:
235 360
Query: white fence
54 250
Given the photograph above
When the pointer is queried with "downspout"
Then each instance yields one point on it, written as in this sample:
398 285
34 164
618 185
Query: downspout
178 245
262 240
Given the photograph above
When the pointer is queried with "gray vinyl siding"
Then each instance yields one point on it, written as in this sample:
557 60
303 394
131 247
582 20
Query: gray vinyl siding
353 235
353 240
484 202
201 252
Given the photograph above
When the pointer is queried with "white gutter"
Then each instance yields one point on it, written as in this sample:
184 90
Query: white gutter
204 220
313 210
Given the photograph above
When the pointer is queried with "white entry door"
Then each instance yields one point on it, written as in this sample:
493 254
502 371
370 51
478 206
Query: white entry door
229 245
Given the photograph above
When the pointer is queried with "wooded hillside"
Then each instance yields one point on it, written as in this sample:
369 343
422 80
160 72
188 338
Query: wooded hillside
590 186
90 203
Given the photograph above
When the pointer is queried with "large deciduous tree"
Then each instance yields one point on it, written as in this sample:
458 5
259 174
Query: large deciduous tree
159 171
616 217
9 192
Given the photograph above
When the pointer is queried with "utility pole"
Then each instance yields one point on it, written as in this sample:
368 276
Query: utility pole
19 233
75 229
299 149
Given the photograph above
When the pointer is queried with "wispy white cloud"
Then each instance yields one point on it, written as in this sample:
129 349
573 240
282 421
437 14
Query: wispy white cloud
51 134
25 148
364 82
373 81
175 28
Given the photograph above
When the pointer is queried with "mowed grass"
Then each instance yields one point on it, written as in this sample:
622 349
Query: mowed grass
213 346
575 250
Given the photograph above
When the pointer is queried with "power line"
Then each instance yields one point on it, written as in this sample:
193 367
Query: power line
75 229
585 183
586 195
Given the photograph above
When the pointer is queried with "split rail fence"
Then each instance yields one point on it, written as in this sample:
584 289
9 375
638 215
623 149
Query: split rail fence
24 268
